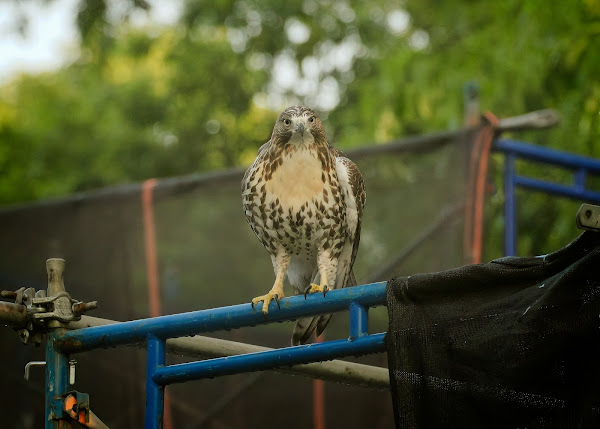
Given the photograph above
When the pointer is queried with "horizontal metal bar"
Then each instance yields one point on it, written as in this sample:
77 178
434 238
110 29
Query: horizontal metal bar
340 371
13 315
550 156
538 119
557 189
224 318
269 359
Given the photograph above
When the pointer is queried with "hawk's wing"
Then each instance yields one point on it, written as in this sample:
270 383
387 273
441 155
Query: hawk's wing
247 191
353 189
259 157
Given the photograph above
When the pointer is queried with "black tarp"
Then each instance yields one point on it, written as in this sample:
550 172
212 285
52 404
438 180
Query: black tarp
513 343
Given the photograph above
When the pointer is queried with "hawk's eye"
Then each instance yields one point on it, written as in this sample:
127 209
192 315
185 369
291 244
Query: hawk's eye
287 121
311 119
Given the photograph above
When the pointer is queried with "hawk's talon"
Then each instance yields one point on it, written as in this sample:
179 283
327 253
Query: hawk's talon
276 298
313 287
266 300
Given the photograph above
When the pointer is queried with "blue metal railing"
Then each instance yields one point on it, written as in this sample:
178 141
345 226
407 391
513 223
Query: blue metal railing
581 166
154 331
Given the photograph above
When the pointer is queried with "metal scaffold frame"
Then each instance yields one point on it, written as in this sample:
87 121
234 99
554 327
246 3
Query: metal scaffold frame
580 166
155 332
62 404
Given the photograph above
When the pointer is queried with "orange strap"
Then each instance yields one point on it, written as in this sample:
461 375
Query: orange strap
152 269
150 235
478 166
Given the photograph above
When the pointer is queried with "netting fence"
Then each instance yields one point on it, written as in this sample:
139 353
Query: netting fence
208 257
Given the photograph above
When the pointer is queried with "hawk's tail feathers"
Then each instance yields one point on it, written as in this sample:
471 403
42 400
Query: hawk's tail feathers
303 329
305 326
322 323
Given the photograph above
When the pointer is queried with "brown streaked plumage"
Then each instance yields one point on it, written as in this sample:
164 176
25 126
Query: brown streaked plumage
304 201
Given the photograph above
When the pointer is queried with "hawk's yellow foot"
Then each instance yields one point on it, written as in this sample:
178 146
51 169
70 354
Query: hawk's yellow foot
266 299
313 288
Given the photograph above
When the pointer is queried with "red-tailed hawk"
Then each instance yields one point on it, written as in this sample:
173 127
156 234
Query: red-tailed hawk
304 201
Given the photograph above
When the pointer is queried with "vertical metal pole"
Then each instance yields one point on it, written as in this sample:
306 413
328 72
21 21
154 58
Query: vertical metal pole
580 178
472 112
510 218
57 364
57 382
359 320
155 394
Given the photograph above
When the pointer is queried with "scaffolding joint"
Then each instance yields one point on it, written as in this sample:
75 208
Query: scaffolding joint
34 313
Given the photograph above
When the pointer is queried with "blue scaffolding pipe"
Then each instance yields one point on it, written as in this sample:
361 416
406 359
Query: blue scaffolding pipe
557 189
57 379
510 209
155 331
155 393
359 320
224 318
581 166
261 361
549 156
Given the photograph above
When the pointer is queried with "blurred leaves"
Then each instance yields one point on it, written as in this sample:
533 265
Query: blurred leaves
146 102
144 113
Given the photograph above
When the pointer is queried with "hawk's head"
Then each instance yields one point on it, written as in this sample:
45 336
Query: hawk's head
299 125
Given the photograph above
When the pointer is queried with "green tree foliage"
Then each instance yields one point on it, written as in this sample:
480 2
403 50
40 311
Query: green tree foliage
158 102
153 108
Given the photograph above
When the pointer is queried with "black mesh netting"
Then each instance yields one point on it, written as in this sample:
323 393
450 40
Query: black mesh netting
208 257
513 343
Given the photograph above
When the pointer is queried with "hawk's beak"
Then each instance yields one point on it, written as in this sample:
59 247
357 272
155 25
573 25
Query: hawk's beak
300 129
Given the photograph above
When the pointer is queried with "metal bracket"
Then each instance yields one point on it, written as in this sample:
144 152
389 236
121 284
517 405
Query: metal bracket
75 404
43 310
58 307
588 217
28 366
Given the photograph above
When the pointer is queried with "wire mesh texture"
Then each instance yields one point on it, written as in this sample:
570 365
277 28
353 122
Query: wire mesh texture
208 257
507 344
